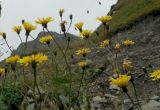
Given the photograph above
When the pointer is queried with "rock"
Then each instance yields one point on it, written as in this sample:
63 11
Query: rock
115 75
30 93
151 105
99 103
99 99
150 33
31 107
126 101
64 99
155 40
114 87
155 98
89 61
30 100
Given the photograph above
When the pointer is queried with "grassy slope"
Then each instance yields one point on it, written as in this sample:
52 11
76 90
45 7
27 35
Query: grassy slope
129 11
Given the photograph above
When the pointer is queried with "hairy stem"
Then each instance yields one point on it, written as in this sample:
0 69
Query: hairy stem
8 45
134 87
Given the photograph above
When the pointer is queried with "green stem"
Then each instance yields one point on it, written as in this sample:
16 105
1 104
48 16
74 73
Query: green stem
20 38
8 45
56 65
25 44
65 58
61 23
63 53
69 25
68 42
134 87
24 76
81 82
130 98
31 36
36 86
104 30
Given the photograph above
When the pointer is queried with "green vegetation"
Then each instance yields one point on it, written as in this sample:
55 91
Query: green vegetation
127 12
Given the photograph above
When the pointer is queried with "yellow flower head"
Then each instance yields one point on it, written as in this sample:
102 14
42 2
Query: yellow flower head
117 46
121 81
128 42
83 51
155 75
104 19
127 64
12 59
37 58
25 60
2 71
17 29
46 39
104 44
3 34
86 33
28 27
61 11
44 21
82 64
79 26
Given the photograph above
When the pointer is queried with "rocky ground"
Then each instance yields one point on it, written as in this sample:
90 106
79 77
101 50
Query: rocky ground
145 55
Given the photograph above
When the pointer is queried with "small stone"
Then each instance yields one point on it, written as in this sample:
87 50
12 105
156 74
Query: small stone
150 34
111 96
114 87
64 99
99 99
30 100
155 98
126 101
115 75
151 105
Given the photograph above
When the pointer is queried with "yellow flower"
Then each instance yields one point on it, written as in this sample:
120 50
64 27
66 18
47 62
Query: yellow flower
104 44
44 21
37 58
155 75
86 33
117 46
17 29
25 60
46 39
12 59
127 64
28 27
83 51
128 42
3 34
2 71
82 64
121 81
104 19
61 11
79 26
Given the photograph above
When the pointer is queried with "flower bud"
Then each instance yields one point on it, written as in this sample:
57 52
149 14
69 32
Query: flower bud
71 16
